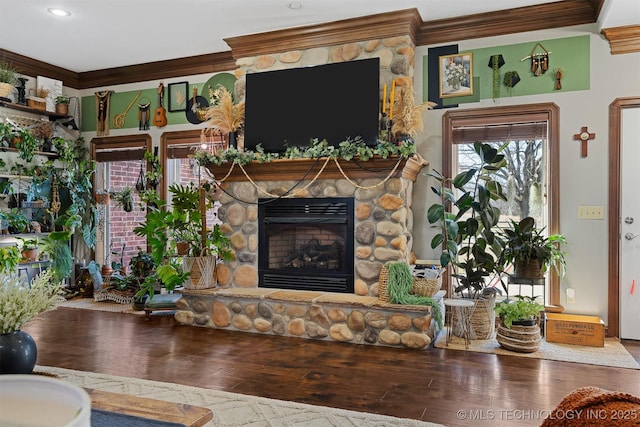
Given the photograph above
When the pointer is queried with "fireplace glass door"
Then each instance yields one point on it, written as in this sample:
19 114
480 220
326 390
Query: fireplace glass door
306 244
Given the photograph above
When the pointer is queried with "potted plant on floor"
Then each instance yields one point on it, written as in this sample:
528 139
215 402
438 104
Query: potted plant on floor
467 216
530 251
518 329
184 222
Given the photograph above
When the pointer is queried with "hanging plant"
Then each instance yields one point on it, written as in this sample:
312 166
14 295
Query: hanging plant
27 145
495 62
511 78
124 198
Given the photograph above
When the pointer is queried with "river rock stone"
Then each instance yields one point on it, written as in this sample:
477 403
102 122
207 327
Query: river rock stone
242 322
262 325
220 315
415 340
356 321
389 337
316 331
296 327
399 322
375 319
340 332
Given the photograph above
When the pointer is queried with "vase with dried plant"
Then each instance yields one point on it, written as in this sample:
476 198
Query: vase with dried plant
224 116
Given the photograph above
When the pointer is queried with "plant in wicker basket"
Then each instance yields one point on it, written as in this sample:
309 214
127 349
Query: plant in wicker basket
530 251
524 309
518 329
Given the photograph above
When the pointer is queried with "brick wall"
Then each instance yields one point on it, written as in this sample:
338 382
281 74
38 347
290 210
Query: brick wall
121 223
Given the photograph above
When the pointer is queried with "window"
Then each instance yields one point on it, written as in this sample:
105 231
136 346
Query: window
529 134
119 163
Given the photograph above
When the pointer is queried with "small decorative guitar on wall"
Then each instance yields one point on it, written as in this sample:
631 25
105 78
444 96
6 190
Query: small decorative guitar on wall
160 114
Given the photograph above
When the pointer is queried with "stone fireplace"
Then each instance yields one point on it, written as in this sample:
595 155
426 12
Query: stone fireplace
382 218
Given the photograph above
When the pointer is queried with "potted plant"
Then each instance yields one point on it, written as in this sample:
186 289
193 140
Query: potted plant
124 198
9 259
8 78
467 218
16 221
56 246
62 104
164 227
27 145
29 249
19 303
518 329
530 251
225 116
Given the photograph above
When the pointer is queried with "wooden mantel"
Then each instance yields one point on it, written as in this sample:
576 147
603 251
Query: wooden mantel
307 169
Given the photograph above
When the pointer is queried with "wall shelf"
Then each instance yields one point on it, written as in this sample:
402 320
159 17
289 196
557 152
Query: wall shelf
51 114
39 153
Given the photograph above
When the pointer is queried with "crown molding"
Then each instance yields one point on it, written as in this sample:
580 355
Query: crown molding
33 68
623 39
200 64
384 25
509 21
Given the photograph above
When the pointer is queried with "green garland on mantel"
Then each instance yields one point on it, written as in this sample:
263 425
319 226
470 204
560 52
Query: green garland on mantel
399 288
346 150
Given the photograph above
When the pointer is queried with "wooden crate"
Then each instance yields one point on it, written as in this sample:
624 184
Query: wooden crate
575 329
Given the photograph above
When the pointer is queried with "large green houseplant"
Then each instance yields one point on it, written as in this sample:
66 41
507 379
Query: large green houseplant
165 227
531 251
467 216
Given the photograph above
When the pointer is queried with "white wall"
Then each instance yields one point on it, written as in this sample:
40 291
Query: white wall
583 181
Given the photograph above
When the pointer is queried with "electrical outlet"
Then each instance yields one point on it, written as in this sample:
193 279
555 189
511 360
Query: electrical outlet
571 296
590 212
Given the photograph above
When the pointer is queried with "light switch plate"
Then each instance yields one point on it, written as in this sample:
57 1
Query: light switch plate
590 212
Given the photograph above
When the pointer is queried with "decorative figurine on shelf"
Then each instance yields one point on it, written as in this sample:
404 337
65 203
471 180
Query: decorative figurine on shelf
22 91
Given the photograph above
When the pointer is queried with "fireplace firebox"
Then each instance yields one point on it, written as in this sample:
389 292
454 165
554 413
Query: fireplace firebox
306 244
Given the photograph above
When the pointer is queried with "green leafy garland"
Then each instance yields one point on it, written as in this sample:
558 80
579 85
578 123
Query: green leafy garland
346 150
399 288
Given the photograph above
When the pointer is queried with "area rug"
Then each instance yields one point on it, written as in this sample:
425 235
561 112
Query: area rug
91 304
231 409
612 354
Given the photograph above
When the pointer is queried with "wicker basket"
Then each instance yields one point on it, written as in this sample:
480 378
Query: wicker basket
426 287
523 339
203 272
37 103
383 282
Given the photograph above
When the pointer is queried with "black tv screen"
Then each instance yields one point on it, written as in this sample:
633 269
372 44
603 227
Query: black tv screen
287 108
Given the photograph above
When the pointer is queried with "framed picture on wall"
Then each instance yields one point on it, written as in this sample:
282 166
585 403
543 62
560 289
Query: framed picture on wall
456 75
177 100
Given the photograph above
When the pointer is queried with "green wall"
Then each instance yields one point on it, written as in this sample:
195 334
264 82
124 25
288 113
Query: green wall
571 54
120 100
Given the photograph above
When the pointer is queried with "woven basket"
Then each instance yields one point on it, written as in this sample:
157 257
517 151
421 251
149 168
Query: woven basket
483 320
383 282
37 103
203 272
426 287
530 270
523 339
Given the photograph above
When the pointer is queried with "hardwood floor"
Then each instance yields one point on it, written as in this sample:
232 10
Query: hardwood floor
431 385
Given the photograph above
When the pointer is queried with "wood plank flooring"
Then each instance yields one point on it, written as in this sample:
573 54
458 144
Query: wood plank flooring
431 385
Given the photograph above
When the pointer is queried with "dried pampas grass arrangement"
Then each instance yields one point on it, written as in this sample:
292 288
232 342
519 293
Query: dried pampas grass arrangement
225 116
408 119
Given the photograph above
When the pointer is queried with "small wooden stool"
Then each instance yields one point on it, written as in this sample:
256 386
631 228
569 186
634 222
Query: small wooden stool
161 302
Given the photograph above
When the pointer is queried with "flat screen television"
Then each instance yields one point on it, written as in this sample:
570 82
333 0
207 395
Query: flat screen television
291 107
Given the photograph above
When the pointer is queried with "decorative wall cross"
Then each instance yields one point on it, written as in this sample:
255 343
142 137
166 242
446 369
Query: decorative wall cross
584 136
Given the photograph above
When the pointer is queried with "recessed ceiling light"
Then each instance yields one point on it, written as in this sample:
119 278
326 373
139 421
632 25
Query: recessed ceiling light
58 12
295 5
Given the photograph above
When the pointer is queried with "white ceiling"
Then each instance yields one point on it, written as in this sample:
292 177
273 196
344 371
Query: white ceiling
102 34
